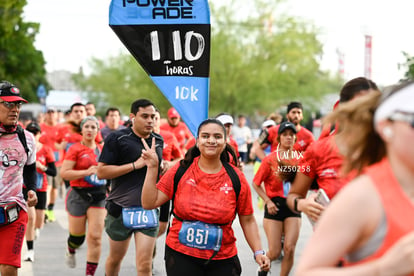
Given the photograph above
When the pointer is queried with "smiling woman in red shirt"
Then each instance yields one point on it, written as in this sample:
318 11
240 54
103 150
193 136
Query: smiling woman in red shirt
201 240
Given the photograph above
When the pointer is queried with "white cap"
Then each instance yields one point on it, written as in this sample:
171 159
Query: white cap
268 123
225 119
400 101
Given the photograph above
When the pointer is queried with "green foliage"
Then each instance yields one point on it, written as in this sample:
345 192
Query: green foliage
120 81
20 62
254 69
408 65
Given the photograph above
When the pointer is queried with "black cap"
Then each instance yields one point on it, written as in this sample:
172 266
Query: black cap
33 127
285 125
294 105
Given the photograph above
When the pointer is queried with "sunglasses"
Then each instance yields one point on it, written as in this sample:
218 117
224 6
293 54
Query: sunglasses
11 105
404 117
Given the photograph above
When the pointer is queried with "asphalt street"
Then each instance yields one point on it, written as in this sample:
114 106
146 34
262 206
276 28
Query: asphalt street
50 248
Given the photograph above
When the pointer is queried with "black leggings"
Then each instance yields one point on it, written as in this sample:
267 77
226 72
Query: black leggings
178 264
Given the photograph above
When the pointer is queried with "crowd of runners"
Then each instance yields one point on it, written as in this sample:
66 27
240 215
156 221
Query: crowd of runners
145 176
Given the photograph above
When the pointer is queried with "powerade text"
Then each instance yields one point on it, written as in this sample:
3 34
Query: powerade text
167 9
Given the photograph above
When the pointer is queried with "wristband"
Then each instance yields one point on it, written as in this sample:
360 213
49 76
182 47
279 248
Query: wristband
295 205
258 252
133 166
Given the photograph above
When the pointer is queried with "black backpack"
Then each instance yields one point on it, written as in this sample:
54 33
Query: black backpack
22 138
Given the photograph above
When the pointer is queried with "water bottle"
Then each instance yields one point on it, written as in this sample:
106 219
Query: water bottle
286 187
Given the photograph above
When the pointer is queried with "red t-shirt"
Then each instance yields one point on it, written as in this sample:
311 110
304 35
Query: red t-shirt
44 156
181 132
303 139
49 135
84 158
171 149
269 174
233 143
323 161
208 198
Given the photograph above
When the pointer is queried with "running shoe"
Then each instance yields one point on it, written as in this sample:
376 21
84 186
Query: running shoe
70 259
51 215
29 256
260 203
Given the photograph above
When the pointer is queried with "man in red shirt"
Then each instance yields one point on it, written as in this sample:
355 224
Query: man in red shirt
171 153
269 136
49 130
178 128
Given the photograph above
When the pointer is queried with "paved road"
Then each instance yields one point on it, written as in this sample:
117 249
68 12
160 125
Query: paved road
50 248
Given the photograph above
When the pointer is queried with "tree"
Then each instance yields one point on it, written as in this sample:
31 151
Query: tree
20 62
253 69
270 59
408 65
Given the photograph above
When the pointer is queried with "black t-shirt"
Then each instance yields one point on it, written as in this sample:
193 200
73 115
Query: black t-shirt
123 147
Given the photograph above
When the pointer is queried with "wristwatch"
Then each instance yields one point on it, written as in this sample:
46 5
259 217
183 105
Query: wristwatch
258 252
295 201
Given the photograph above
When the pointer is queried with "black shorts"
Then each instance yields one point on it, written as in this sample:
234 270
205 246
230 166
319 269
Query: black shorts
284 211
41 199
179 264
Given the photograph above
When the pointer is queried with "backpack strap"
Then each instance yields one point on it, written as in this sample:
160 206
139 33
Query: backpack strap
229 169
177 177
22 138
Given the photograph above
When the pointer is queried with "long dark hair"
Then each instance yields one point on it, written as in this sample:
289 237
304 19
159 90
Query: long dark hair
193 152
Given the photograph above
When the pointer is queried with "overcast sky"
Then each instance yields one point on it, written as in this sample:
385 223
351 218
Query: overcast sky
73 31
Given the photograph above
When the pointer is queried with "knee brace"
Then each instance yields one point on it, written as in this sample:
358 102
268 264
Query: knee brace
75 241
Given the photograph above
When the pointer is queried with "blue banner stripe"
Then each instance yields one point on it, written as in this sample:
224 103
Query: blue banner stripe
189 96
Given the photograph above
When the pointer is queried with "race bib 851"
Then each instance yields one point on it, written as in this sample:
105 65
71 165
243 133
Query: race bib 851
197 234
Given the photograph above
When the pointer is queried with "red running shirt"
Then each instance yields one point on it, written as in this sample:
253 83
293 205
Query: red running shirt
303 139
44 156
269 174
171 148
181 132
397 206
83 157
208 198
323 161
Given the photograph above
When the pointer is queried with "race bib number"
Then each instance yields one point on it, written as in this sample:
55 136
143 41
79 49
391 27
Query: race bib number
197 234
39 180
139 218
94 180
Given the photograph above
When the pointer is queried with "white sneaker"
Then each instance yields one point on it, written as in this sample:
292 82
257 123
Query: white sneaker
37 233
70 259
29 256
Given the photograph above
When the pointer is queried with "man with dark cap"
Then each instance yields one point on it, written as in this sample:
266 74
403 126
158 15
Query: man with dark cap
18 166
269 136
